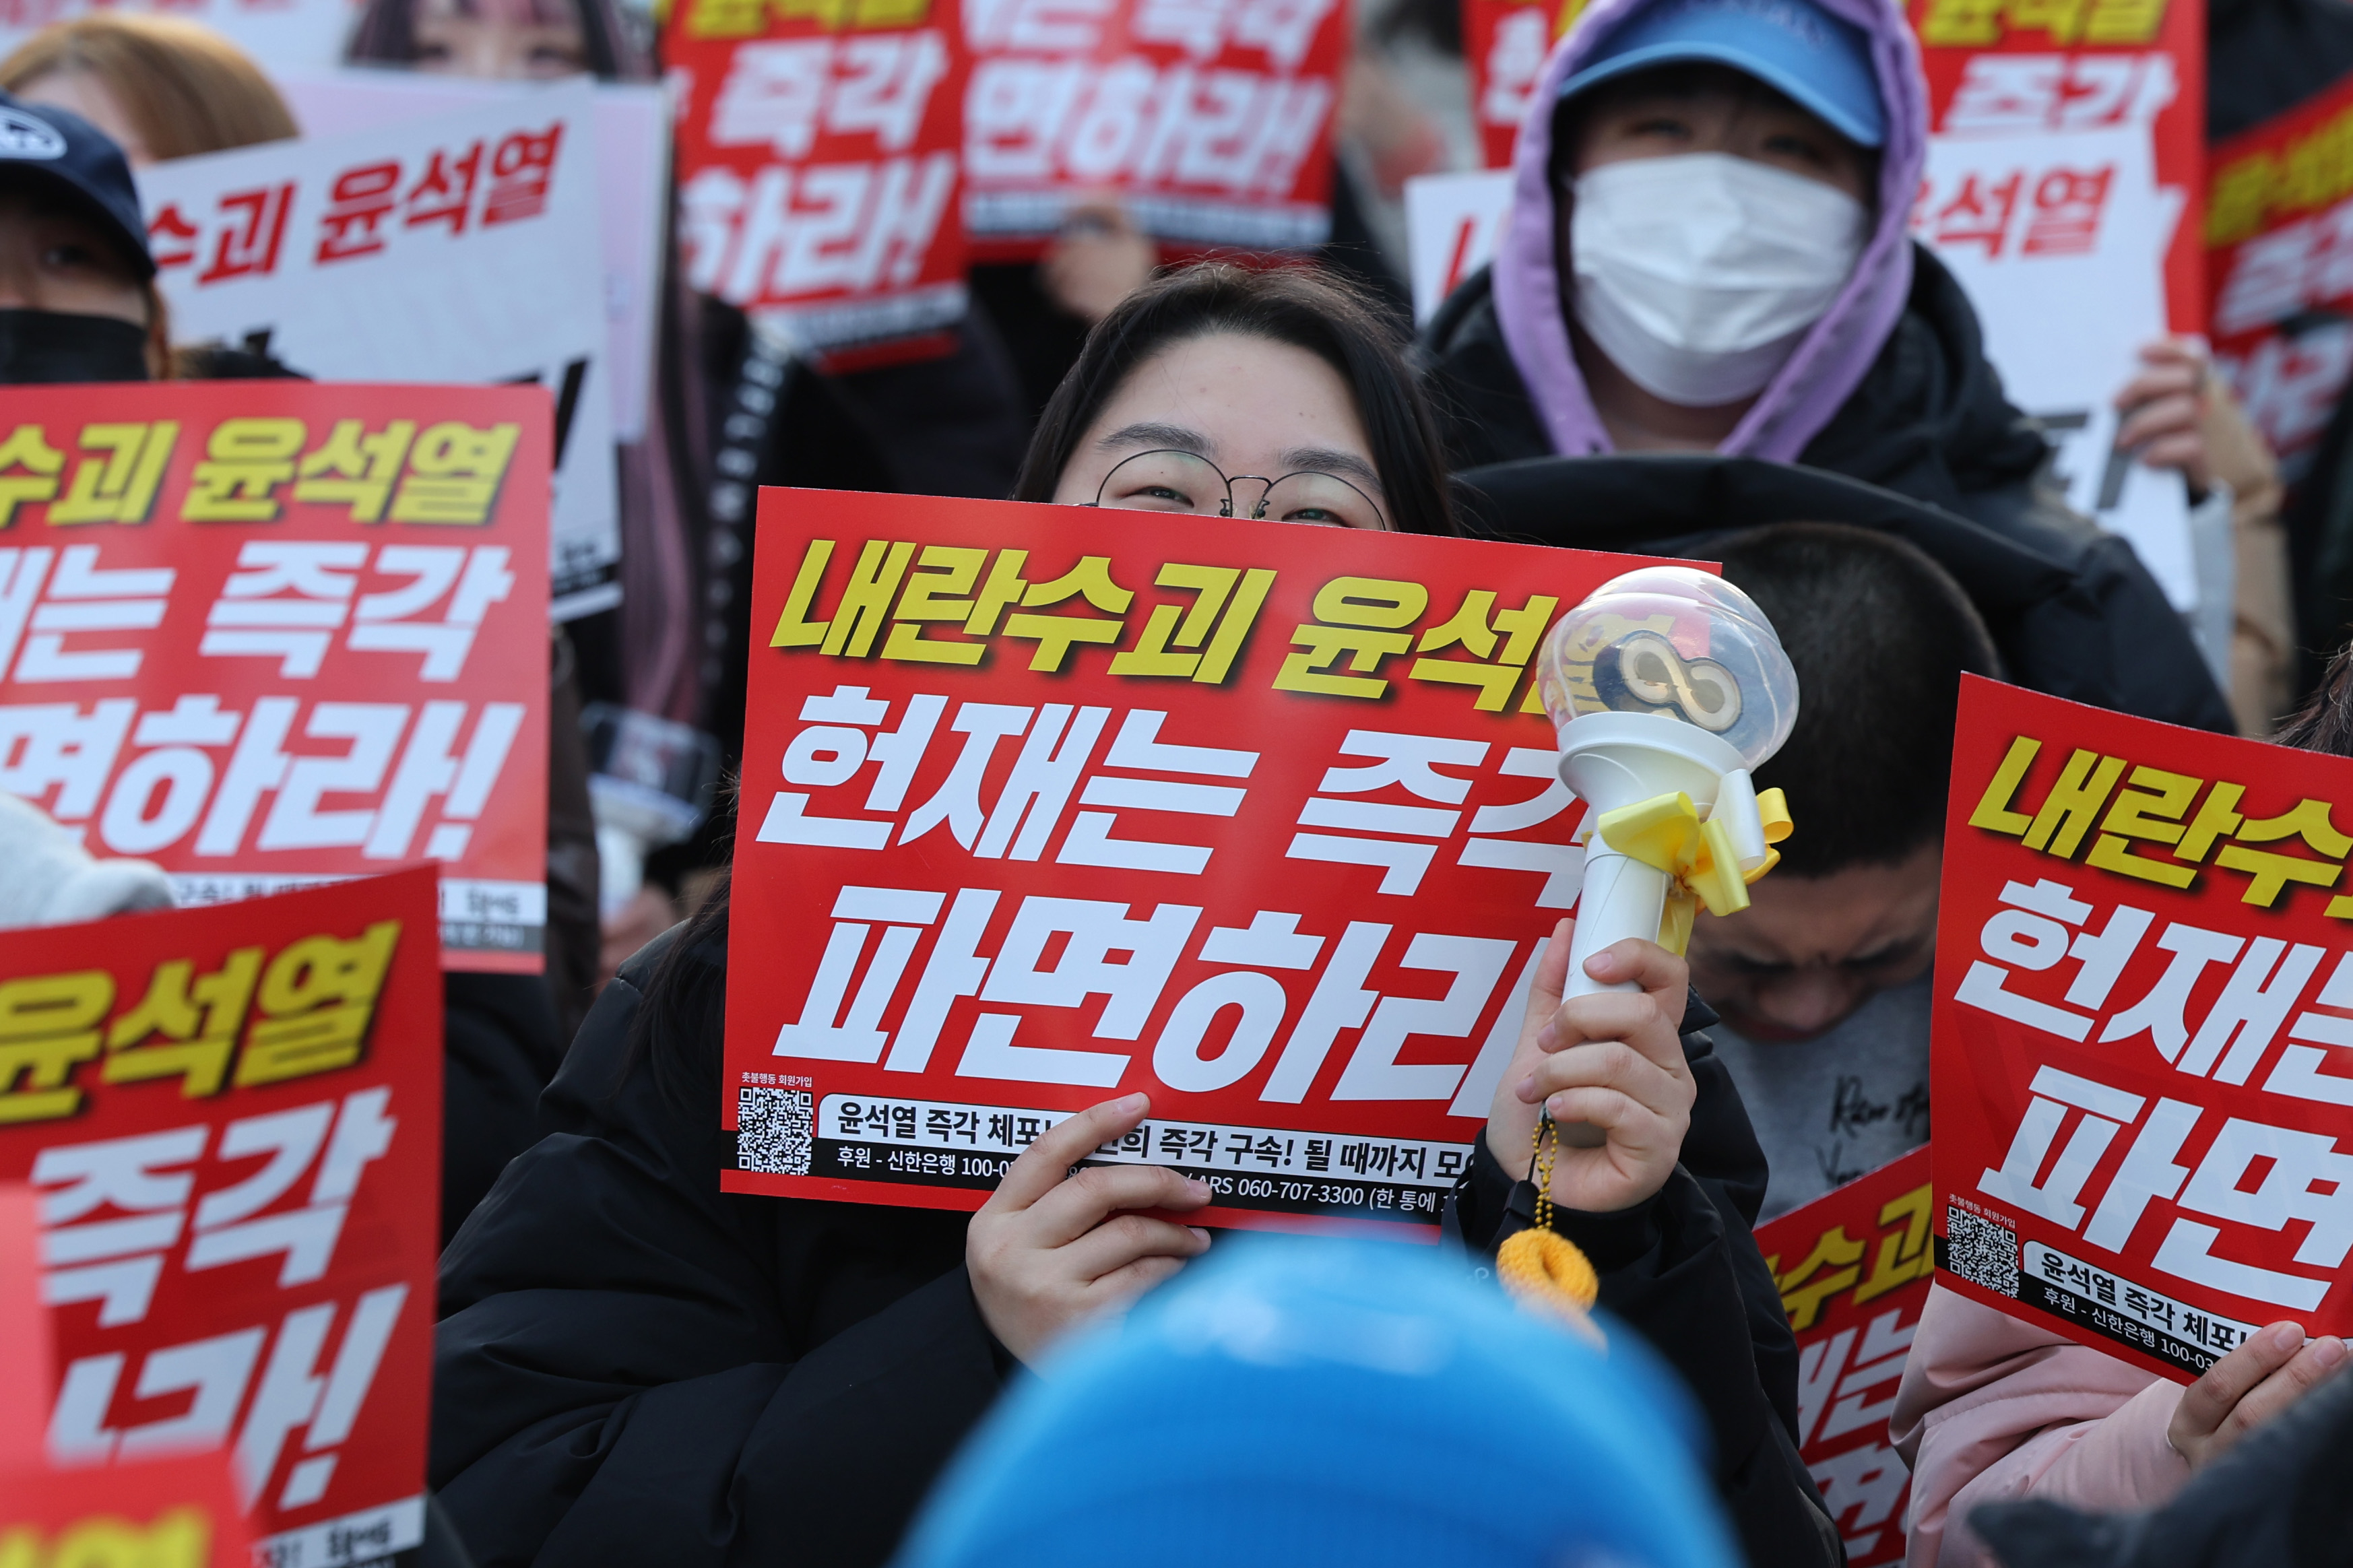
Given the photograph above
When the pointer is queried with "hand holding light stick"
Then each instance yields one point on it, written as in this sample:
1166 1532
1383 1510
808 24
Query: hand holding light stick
1666 686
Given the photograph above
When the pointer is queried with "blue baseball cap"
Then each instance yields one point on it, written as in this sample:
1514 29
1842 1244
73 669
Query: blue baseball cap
60 149
1794 46
1287 1401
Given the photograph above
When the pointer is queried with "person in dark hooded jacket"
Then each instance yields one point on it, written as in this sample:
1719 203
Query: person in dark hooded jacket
1707 253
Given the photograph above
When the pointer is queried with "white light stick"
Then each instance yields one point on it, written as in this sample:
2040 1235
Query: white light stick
1666 680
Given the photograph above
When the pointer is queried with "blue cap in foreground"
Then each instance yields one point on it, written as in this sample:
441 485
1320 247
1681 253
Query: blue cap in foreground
1791 45
1305 1402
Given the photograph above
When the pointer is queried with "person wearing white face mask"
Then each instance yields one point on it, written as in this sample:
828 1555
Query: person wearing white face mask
1708 254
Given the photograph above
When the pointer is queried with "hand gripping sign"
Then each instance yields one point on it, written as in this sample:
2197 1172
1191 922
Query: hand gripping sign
270 633
231 1118
2143 1047
1043 803
1854 1269
819 167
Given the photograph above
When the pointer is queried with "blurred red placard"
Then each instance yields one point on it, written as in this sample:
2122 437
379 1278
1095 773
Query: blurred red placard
2143 1050
1210 120
1043 803
2279 220
232 1119
164 1513
1854 1269
266 633
819 157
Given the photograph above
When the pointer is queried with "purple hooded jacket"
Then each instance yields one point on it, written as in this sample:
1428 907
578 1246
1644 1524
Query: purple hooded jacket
1830 360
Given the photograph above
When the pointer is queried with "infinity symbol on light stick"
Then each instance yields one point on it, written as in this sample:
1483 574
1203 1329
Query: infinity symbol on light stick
1701 689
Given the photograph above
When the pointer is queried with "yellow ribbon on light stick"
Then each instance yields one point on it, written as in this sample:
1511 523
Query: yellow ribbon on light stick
1666 832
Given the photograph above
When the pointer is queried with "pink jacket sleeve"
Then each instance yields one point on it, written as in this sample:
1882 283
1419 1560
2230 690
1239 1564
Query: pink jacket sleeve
1992 1408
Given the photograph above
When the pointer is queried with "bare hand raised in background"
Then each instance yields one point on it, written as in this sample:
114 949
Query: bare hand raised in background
2164 409
1048 1251
1614 1059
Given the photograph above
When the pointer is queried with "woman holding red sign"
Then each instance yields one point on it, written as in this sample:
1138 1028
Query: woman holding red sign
636 1366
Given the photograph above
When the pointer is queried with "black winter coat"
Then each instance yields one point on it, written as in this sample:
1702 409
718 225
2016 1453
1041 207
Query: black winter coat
500 1045
1684 1272
2069 609
633 1367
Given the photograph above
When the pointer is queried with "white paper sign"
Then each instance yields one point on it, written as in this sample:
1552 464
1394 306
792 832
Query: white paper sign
463 247
1453 224
2059 240
632 180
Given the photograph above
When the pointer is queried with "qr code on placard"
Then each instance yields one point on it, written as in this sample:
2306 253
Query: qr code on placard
774 1129
1980 1251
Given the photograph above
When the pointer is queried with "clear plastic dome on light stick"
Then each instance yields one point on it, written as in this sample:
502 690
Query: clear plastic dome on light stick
1679 642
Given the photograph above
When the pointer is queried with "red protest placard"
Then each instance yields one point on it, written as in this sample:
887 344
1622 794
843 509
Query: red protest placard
2279 226
164 1513
2142 995
27 1363
264 633
232 1118
1854 1269
1211 120
2052 69
1042 803
819 156
1505 43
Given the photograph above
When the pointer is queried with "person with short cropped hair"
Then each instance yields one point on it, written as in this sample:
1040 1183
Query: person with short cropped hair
1822 983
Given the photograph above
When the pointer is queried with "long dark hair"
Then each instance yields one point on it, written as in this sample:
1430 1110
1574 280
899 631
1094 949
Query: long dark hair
2325 722
1308 309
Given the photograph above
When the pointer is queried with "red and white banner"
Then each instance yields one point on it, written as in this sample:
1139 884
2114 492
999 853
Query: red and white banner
1854 1269
268 633
1505 43
1044 803
819 157
2055 69
460 248
2279 223
232 1120
1211 120
2144 1127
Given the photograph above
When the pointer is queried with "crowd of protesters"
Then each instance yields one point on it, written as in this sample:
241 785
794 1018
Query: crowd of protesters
1707 335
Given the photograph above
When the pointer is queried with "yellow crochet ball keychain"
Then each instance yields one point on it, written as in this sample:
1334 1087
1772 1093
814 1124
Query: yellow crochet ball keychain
1543 1269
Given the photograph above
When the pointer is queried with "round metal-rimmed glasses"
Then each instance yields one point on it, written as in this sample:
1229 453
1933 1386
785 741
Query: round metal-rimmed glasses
1177 481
